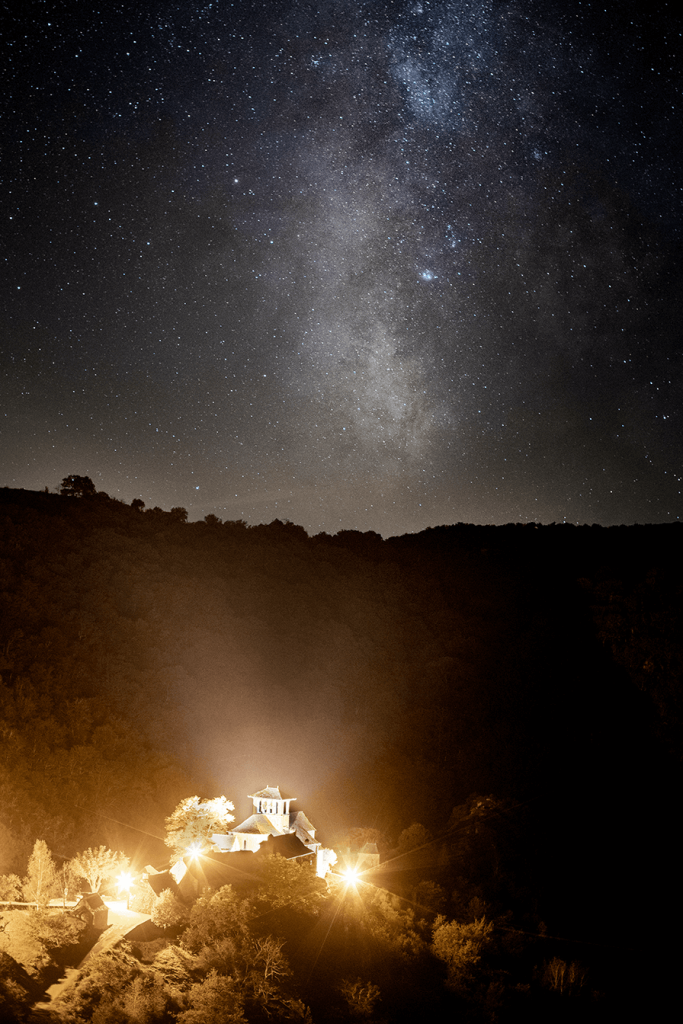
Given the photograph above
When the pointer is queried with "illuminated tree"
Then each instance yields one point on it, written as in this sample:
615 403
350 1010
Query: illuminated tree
286 883
41 880
218 916
262 966
167 910
214 999
146 1000
10 887
194 821
459 946
265 958
563 977
360 997
96 866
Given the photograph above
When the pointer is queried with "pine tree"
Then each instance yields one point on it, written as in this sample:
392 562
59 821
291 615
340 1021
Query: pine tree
41 880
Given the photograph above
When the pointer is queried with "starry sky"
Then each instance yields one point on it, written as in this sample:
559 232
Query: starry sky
359 265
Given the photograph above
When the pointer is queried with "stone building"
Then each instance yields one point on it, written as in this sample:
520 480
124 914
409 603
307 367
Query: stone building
272 816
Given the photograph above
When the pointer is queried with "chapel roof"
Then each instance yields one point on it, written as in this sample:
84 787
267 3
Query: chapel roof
305 837
298 819
303 828
257 824
270 793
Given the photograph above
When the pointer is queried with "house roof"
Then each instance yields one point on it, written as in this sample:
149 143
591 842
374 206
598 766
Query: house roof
162 880
92 900
270 793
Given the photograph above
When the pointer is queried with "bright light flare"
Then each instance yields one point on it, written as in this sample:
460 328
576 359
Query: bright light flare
194 849
125 880
351 876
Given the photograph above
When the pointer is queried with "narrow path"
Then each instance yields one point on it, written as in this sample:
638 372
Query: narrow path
121 922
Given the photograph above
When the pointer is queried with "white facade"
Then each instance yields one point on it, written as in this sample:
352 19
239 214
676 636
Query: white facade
271 816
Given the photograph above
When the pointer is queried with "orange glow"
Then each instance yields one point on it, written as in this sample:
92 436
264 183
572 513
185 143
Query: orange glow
351 876
194 850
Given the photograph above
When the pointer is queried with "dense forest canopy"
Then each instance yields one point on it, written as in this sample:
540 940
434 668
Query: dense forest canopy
381 682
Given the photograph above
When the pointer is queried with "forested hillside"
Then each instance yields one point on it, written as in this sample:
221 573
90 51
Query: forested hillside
382 682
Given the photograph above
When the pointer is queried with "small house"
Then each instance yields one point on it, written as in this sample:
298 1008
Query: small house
93 911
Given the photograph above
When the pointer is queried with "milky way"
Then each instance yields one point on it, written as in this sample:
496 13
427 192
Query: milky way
357 265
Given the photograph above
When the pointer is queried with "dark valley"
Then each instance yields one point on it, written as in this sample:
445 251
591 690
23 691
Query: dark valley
497 709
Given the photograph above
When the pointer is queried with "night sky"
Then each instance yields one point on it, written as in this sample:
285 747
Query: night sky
365 265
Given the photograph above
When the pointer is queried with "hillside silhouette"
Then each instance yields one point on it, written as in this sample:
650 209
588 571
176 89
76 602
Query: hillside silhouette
382 682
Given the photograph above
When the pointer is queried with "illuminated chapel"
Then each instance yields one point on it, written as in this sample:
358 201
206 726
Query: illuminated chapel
272 816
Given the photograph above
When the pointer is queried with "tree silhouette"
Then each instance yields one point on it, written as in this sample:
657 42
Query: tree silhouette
78 486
